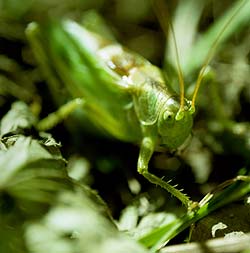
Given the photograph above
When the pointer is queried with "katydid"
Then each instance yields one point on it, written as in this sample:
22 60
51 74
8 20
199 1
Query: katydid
119 90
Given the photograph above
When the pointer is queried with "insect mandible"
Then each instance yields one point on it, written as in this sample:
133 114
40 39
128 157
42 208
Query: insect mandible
119 90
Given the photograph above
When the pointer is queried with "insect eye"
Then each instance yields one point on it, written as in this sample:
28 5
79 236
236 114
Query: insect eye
166 123
168 116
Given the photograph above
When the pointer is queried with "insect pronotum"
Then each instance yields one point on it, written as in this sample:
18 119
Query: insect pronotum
119 90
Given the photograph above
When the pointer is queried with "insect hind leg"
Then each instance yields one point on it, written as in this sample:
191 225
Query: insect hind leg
56 117
146 151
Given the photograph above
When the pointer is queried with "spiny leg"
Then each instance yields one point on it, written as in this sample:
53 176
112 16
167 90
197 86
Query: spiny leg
56 117
146 151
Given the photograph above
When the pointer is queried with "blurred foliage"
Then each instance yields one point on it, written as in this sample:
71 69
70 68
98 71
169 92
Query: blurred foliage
42 209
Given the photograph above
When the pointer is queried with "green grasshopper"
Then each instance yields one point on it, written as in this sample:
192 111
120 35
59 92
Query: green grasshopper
120 91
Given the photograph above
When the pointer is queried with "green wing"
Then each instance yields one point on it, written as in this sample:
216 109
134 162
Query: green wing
68 53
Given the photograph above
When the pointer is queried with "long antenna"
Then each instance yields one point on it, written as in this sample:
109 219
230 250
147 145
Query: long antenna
162 12
210 55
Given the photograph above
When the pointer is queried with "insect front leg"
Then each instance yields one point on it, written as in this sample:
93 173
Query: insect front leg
146 152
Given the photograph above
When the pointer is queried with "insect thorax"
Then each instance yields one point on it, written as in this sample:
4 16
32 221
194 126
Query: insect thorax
155 103
156 107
